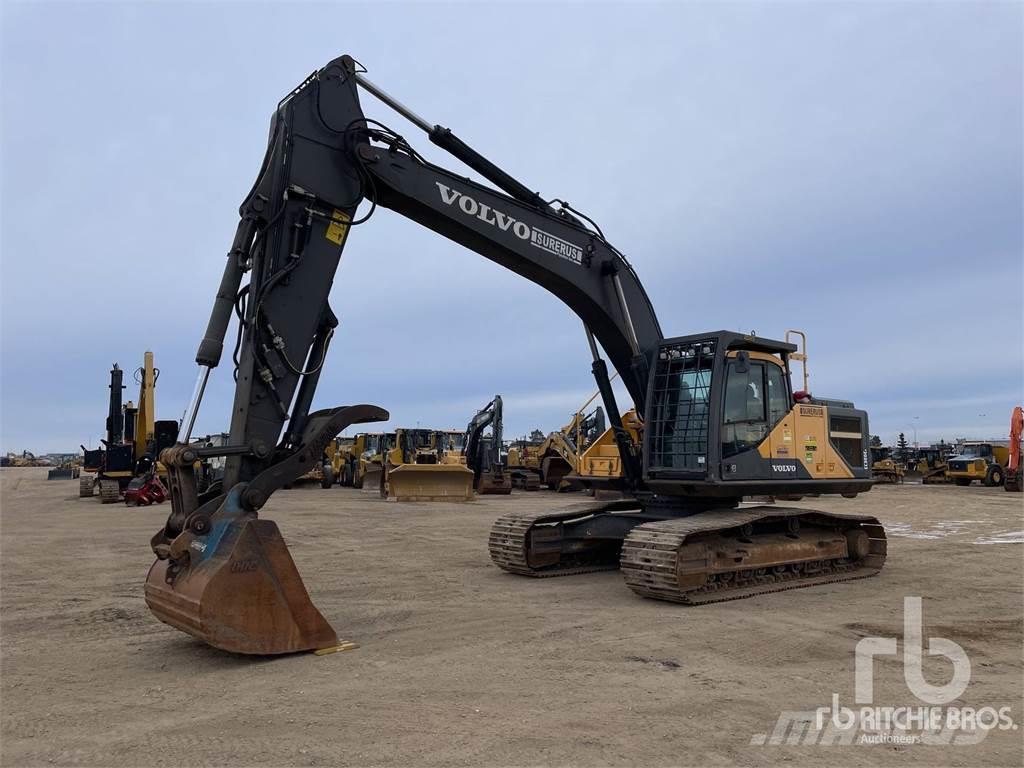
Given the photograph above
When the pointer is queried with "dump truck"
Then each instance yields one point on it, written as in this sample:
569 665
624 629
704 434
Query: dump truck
979 460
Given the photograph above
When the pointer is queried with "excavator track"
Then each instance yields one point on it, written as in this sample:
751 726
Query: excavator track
516 537
85 485
110 492
732 554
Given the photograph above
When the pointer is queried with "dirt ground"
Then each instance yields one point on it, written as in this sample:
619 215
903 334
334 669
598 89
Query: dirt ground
462 664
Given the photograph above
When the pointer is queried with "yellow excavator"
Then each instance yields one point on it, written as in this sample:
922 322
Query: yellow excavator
722 420
414 469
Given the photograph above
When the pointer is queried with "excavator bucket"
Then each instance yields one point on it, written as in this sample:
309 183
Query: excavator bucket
428 482
494 483
224 575
240 592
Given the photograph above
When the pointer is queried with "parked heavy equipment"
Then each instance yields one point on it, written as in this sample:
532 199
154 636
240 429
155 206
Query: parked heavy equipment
884 468
414 469
69 468
930 465
108 467
483 452
1014 476
134 439
721 419
553 461
600 467
523 461
363 458
979 460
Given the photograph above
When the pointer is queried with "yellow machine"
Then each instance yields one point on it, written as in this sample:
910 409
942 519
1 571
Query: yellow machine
452 445
601 460
135 438
414 469
365 460
523 461
981 461
884 468
931 466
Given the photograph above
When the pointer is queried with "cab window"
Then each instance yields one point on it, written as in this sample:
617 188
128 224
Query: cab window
756 399
745 422
778 396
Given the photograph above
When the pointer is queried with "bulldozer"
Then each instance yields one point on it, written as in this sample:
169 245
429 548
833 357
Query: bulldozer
133 443
722 419
931 465
482 453
884 468
69 468
414 469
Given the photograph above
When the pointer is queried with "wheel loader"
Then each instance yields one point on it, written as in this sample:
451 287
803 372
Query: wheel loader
722 419
414 469
366 460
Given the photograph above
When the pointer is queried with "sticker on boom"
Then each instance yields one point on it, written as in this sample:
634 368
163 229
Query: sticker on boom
338 228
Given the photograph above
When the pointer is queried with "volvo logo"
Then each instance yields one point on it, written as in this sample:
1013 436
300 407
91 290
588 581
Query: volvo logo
538 238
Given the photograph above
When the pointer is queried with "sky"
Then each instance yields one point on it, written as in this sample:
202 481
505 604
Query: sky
853 170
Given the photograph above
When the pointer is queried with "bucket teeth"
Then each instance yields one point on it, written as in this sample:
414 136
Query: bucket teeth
239 591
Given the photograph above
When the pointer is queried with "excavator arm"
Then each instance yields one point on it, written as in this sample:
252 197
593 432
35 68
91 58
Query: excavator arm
488 416
323 159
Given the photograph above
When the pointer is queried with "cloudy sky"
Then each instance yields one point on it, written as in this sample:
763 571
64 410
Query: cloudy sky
853 170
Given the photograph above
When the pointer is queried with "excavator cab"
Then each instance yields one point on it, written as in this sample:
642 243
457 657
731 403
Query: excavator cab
722 416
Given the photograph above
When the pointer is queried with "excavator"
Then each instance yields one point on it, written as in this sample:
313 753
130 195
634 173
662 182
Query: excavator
553 461
721 419
483 453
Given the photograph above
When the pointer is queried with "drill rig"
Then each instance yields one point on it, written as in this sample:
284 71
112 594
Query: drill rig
720 418
483 454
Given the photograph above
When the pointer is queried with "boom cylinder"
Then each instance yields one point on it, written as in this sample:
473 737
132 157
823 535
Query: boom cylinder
212 346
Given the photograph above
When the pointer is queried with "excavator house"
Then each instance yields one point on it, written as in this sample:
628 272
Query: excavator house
719 415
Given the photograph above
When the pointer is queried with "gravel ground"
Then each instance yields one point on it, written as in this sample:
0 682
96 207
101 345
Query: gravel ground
462 664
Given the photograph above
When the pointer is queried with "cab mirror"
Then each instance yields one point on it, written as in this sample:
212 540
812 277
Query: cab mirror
742 361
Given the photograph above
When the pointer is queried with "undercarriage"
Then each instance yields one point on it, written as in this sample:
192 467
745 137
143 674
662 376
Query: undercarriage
694 555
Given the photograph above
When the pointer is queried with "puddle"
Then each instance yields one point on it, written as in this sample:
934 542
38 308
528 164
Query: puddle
941 529
1009 537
